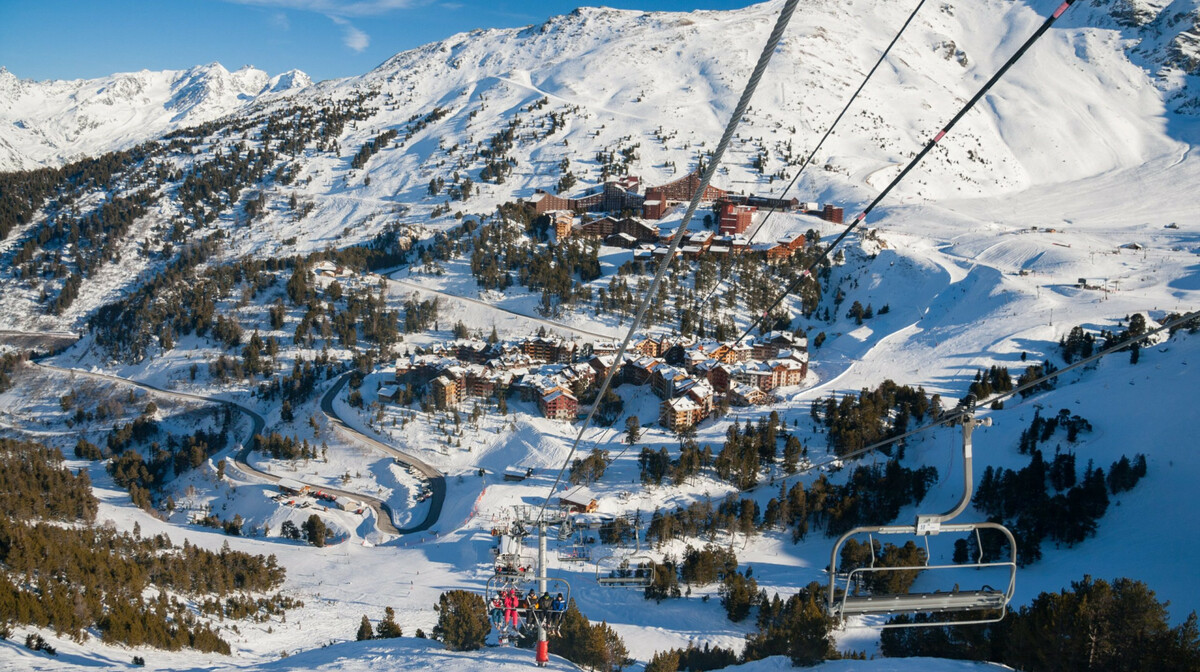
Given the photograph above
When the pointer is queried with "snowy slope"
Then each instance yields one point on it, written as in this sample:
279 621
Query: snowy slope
410 655
53 122
1086 146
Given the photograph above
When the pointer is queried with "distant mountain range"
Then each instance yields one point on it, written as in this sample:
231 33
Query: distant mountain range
53 122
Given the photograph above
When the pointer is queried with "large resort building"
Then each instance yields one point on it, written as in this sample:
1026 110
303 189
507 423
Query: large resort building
628 218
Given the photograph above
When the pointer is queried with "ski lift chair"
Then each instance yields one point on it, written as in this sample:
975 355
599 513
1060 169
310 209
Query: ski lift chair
626 574
511 560
631 570
570 544
513 565
497 586
574 553
551 619
982 605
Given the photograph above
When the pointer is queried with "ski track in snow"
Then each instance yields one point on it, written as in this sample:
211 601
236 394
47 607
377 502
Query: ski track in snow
1076 154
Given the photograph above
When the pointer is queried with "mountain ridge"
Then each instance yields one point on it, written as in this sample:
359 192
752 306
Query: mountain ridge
52 122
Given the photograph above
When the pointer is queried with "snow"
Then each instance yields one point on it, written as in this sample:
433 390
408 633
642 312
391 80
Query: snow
1080 150
55 122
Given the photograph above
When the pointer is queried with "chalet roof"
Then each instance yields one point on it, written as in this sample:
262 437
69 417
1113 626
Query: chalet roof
700 389
682 404
645 362
578 495
786 363
753 368
779 336
746 391
794 356
558 394
668 372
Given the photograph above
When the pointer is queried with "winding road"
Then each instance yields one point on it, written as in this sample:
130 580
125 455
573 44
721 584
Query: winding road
437 480
383 513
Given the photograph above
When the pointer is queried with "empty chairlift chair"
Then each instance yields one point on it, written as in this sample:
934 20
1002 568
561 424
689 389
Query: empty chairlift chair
980 605
631 569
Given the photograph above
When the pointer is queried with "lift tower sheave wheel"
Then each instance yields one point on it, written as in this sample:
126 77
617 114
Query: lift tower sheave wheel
992 603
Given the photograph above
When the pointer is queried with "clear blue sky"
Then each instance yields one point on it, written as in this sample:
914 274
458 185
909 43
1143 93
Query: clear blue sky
69 39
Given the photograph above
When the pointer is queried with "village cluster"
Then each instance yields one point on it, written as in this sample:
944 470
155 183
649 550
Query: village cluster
692 377
735 215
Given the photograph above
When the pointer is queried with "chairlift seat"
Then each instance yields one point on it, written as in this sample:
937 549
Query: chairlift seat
990 605
624 581
936 602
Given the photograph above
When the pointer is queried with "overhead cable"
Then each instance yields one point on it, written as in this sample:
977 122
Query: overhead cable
785 16
795 284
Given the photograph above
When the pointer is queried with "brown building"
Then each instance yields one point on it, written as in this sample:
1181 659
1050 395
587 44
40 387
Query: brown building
623 240
559 405
719 377
661 198
786 372
784 248
544 202
644 232
446 392
735 219
745 395
548 349
733 354
599 228
638 371
654 209
613 196
563 221
680 413
665 380
684 188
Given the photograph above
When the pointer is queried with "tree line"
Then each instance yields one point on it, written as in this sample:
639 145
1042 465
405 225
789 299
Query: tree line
872 494
34 485
1094 625
80 578
1048 499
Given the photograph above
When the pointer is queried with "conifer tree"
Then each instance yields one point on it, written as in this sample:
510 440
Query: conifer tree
315 530
364 630
462 623
388 628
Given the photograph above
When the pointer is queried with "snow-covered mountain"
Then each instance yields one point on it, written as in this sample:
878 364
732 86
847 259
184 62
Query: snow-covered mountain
1108 91
1067 197
52 122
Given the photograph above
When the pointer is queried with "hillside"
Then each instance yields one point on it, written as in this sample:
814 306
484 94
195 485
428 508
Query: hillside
292 250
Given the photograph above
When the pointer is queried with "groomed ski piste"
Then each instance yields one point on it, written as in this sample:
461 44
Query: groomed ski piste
971 280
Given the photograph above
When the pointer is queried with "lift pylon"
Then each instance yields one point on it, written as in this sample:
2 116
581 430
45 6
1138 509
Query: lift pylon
543 618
